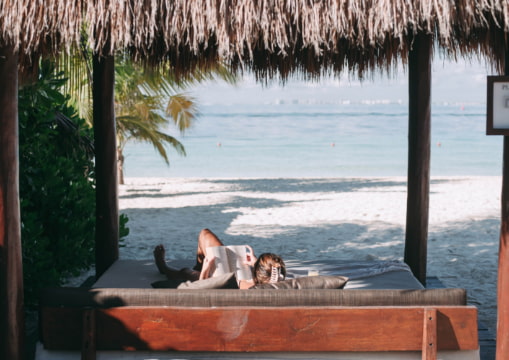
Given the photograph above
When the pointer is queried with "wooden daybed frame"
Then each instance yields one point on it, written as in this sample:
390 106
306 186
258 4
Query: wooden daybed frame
425 320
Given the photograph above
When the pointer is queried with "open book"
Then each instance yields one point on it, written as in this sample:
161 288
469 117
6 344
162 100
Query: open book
229 259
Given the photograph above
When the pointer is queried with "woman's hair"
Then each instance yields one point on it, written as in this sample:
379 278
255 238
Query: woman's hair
263 268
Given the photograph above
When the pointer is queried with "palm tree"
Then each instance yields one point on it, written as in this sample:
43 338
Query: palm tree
139 101
146 100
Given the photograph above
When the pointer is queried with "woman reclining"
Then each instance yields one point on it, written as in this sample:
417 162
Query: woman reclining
267 268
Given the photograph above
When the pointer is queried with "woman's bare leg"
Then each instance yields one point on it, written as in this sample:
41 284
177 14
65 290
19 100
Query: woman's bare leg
206 239
172 273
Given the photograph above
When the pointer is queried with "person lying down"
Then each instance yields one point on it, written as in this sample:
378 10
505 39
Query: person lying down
267 268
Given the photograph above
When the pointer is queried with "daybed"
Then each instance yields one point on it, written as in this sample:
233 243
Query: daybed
361 321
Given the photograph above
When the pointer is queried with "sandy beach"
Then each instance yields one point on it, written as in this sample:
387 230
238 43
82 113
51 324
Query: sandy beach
324 218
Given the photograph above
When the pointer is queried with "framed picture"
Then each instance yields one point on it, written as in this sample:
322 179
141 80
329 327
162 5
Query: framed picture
497 122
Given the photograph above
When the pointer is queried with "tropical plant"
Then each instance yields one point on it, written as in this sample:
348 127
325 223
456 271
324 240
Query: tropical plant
57 186
57 196
146 100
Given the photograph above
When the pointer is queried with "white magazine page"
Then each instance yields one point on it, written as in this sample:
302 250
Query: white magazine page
221 265
237 255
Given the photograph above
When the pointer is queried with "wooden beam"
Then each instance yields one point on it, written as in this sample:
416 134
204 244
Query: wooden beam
11 273
429 337
261 329
503 264
107 231
502 351
88 347
419 139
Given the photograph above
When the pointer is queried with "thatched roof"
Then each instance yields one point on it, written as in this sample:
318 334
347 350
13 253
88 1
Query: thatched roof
37 27
269 36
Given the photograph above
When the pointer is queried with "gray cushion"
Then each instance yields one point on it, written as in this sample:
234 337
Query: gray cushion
226 281
112 297
307 282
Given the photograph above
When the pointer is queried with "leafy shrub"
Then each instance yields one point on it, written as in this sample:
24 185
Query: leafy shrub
57 195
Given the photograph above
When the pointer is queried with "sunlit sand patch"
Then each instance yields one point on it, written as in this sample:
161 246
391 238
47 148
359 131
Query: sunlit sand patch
176 201
269 231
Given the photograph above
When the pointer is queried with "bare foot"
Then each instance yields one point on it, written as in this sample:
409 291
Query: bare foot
159 254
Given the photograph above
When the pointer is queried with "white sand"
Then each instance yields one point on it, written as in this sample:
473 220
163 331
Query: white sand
361 218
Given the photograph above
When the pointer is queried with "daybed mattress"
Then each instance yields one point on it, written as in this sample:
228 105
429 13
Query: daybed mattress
361 274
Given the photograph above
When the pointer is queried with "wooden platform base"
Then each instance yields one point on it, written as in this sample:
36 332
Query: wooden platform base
487 337
124 325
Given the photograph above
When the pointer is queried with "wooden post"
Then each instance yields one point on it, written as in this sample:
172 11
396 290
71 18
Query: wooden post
502 351
503 264
89 343
429 334
419 135
12 321
107 232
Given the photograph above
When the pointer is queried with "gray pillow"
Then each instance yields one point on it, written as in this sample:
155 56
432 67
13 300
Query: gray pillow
307 282
226 281
166 284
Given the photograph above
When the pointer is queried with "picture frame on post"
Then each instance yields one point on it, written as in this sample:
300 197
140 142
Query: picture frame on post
497 114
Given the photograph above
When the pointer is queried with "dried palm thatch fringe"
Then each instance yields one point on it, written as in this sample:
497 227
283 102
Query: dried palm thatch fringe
270 36
36 27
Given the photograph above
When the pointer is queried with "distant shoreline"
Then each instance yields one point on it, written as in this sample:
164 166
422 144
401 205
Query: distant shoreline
133 180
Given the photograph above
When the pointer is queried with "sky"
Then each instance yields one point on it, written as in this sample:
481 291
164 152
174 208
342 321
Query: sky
452 82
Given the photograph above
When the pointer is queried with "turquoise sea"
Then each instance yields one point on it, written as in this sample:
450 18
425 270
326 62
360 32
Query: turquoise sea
336 128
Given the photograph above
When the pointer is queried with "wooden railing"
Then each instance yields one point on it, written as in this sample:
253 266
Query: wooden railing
260 329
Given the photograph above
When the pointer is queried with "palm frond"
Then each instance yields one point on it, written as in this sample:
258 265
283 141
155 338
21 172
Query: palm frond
182 109
76 66
70 132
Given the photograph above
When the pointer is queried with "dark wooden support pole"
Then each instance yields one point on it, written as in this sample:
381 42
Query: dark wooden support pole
419 135
11 271
107 232
503 253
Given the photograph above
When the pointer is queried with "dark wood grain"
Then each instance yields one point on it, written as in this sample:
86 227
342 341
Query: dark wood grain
419 137
11 273
258 329
107 231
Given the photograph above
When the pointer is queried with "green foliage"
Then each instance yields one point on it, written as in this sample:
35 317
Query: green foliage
123 230
56 186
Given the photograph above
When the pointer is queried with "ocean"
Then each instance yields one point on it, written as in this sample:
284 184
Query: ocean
333 128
